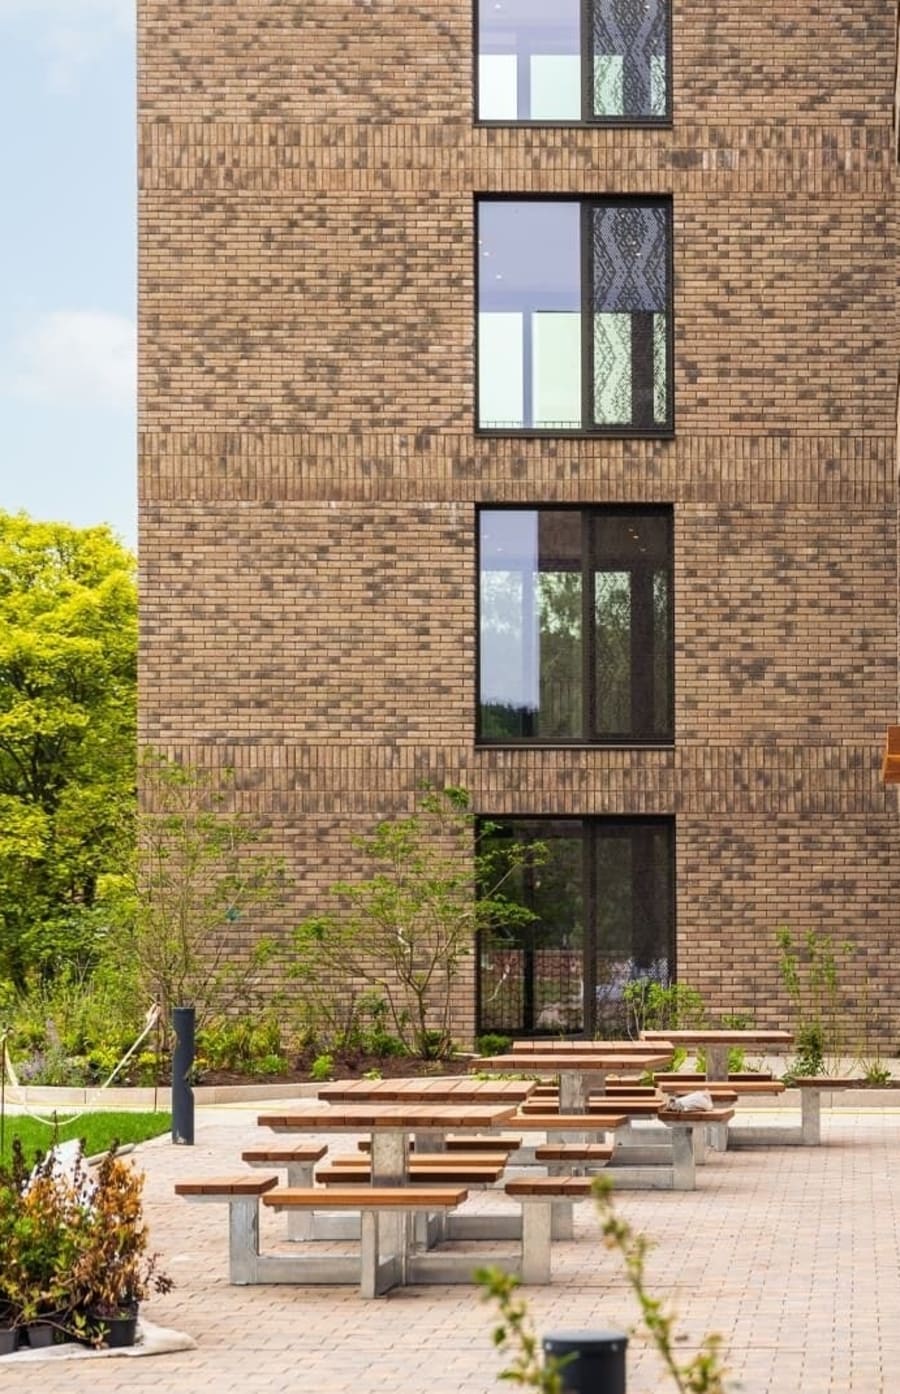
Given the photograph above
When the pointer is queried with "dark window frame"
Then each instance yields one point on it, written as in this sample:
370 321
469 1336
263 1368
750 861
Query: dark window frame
627 742
588 116
587 203
592 829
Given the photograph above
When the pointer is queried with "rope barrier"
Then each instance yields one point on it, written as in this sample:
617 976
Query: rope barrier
7 1072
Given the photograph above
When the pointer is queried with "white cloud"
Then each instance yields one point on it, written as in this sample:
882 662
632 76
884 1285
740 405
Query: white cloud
72 34
77 357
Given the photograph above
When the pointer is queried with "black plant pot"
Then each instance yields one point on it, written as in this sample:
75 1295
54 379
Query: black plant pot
9 1339
116 1331
42 1334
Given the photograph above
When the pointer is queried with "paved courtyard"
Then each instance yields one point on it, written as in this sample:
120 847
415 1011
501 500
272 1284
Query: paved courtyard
792 1255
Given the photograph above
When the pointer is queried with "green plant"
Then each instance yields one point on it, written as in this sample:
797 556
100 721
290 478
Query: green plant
199 874
492 1044
515 1332
43 1225
704 1373
372 1074
736 1058
876 1072
655 1006
405 930
810 973
322 1068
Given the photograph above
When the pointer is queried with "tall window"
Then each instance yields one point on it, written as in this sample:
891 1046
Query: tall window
575 625
573 60
603 907
574 315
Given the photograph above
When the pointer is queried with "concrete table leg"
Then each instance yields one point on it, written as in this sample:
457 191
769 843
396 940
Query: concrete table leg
243 1238
683 1173
811 1117
536 1225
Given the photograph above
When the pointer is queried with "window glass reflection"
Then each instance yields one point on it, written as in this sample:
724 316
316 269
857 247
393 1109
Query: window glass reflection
529 314
529 60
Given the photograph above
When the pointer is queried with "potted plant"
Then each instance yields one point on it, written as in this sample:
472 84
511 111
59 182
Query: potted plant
42 1219
113 1271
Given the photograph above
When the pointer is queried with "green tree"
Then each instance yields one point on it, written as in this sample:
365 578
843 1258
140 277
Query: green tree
190 910
406 930
68 671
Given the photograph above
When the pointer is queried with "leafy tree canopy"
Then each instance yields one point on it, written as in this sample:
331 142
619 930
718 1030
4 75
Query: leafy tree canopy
68 668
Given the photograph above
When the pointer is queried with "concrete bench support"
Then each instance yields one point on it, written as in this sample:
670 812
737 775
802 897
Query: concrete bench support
547 1214
298 1163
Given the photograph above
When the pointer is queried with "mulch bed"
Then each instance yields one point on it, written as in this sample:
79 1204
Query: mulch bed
346 1067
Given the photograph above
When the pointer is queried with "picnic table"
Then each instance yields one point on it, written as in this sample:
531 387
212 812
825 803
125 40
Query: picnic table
544 1206
389 1126
581 1072
457 1089
716 1044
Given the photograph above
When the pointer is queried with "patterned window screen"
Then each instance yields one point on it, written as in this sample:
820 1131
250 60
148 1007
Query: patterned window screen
630 66
630 298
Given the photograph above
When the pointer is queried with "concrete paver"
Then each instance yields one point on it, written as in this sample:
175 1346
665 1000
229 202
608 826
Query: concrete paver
791 1254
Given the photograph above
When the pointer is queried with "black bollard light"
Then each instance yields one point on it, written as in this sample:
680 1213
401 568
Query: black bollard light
183 1019
595 1360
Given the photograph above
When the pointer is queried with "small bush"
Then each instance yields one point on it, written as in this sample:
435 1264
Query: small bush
492 1044
322 1068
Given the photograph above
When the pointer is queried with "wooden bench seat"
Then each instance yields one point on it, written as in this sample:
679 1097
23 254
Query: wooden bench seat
499 1142
697 1079
742 1089
495 1147
546 1203
299 1162
416 1159
242 1194
441 1173
644 1106
597 1152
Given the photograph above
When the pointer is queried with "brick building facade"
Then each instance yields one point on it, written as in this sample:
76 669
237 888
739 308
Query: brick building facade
314 472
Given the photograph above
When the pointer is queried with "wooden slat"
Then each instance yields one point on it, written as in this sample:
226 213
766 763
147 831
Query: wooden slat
572 1152
461 1089
365 1198
485 1159
583 1062
706 1115
732 1089
366 1117
509 1144
566 1186
634 1108
722 1037
282 1155
571 1122
444 1173
226 1186
544 1047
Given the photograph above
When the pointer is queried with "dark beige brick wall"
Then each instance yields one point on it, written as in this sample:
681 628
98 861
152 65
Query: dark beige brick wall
309 470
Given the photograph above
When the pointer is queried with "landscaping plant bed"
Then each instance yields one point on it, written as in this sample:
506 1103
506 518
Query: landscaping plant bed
355 1066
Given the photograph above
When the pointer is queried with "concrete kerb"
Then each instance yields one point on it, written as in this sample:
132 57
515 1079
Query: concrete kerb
145 1099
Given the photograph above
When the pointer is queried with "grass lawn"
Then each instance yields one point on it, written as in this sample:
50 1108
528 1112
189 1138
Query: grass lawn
97 1130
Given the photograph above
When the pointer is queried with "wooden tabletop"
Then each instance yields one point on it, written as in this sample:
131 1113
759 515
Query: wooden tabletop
736 1038
349 1118
460 1089
544 1047
598 1062
570 1122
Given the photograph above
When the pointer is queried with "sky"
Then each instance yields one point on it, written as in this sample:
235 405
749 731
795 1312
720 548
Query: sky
68 248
